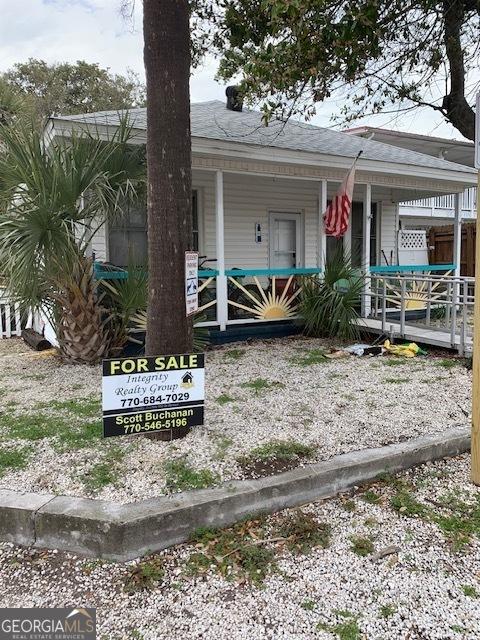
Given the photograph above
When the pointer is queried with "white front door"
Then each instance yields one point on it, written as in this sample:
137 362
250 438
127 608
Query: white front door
285 240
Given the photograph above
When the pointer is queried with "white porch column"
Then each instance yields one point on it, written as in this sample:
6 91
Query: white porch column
322 238
366 230
457 234
222 298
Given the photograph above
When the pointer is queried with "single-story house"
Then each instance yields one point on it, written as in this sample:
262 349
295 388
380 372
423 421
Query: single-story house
259 193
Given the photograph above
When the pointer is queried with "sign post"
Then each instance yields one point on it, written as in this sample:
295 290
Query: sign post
476 328
159 394
191 282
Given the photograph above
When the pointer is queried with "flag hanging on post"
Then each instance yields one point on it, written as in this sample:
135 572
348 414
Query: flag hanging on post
337 214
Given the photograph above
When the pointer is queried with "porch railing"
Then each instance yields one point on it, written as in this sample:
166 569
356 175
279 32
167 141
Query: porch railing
415 297
440 204
252 295
415 302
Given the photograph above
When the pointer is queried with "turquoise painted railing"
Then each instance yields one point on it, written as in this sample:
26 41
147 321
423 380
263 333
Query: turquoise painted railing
399 268
102 273
300 271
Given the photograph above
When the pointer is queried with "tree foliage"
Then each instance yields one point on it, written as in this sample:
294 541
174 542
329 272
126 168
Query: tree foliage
376 55
65 88
53 204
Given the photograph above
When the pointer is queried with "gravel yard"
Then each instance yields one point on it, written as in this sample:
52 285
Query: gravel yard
395 561
271 405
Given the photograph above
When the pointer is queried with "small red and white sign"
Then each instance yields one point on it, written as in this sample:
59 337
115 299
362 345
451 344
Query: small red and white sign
191 282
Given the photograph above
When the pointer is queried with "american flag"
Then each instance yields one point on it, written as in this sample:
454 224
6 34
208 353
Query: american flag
337 215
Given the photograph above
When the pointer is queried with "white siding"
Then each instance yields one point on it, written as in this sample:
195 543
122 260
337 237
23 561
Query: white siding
388 231
98 244
249 200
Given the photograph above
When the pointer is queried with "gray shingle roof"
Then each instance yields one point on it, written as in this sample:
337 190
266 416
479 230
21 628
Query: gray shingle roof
212 120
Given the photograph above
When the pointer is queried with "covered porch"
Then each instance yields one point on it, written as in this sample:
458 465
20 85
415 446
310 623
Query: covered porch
259 234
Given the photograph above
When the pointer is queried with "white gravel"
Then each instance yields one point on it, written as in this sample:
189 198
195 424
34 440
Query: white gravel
420 592
337 406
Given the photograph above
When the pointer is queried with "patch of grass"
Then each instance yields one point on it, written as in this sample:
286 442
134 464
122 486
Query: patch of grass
261 384
144 576
37 426
234 354
346 630
100 475
387 610
449 363
284 450
309 605
303 533
13 459
181 476
361 546
35 376
458 520
393 362
222 445
371 497
405 503
457 628
469 591
370 522
315 356
224 399
79 436
235 553
32 426
396 380
83 408
349 505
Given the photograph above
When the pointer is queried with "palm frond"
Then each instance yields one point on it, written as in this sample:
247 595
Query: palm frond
329 305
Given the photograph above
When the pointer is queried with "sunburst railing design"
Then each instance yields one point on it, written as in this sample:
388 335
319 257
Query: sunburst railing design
271 303
417 294
266 294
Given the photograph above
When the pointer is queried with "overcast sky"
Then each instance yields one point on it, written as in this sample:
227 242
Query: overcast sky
94 30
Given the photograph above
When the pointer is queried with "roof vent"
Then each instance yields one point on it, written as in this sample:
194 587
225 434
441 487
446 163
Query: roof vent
234 99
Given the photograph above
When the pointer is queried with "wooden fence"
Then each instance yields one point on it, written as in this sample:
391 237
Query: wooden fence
10 317
440 243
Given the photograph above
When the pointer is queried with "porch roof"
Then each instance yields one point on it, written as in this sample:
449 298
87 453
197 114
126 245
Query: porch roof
218 130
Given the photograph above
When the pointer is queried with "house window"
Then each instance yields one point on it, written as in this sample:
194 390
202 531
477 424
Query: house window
128 235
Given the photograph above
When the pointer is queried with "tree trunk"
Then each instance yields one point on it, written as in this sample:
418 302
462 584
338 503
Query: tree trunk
167 66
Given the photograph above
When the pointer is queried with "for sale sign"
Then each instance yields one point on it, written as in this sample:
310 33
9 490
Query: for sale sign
191 282
150 394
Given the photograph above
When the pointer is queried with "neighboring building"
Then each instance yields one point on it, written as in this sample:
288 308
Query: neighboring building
258 198
438 210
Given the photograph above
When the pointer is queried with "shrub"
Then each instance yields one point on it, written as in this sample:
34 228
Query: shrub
329 305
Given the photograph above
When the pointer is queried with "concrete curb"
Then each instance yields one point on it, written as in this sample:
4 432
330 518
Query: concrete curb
123 532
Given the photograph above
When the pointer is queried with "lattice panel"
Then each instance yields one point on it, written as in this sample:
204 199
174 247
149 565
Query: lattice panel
412 247
408 239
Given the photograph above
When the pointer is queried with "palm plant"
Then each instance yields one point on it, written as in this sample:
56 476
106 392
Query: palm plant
127 298
329 305
54 199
